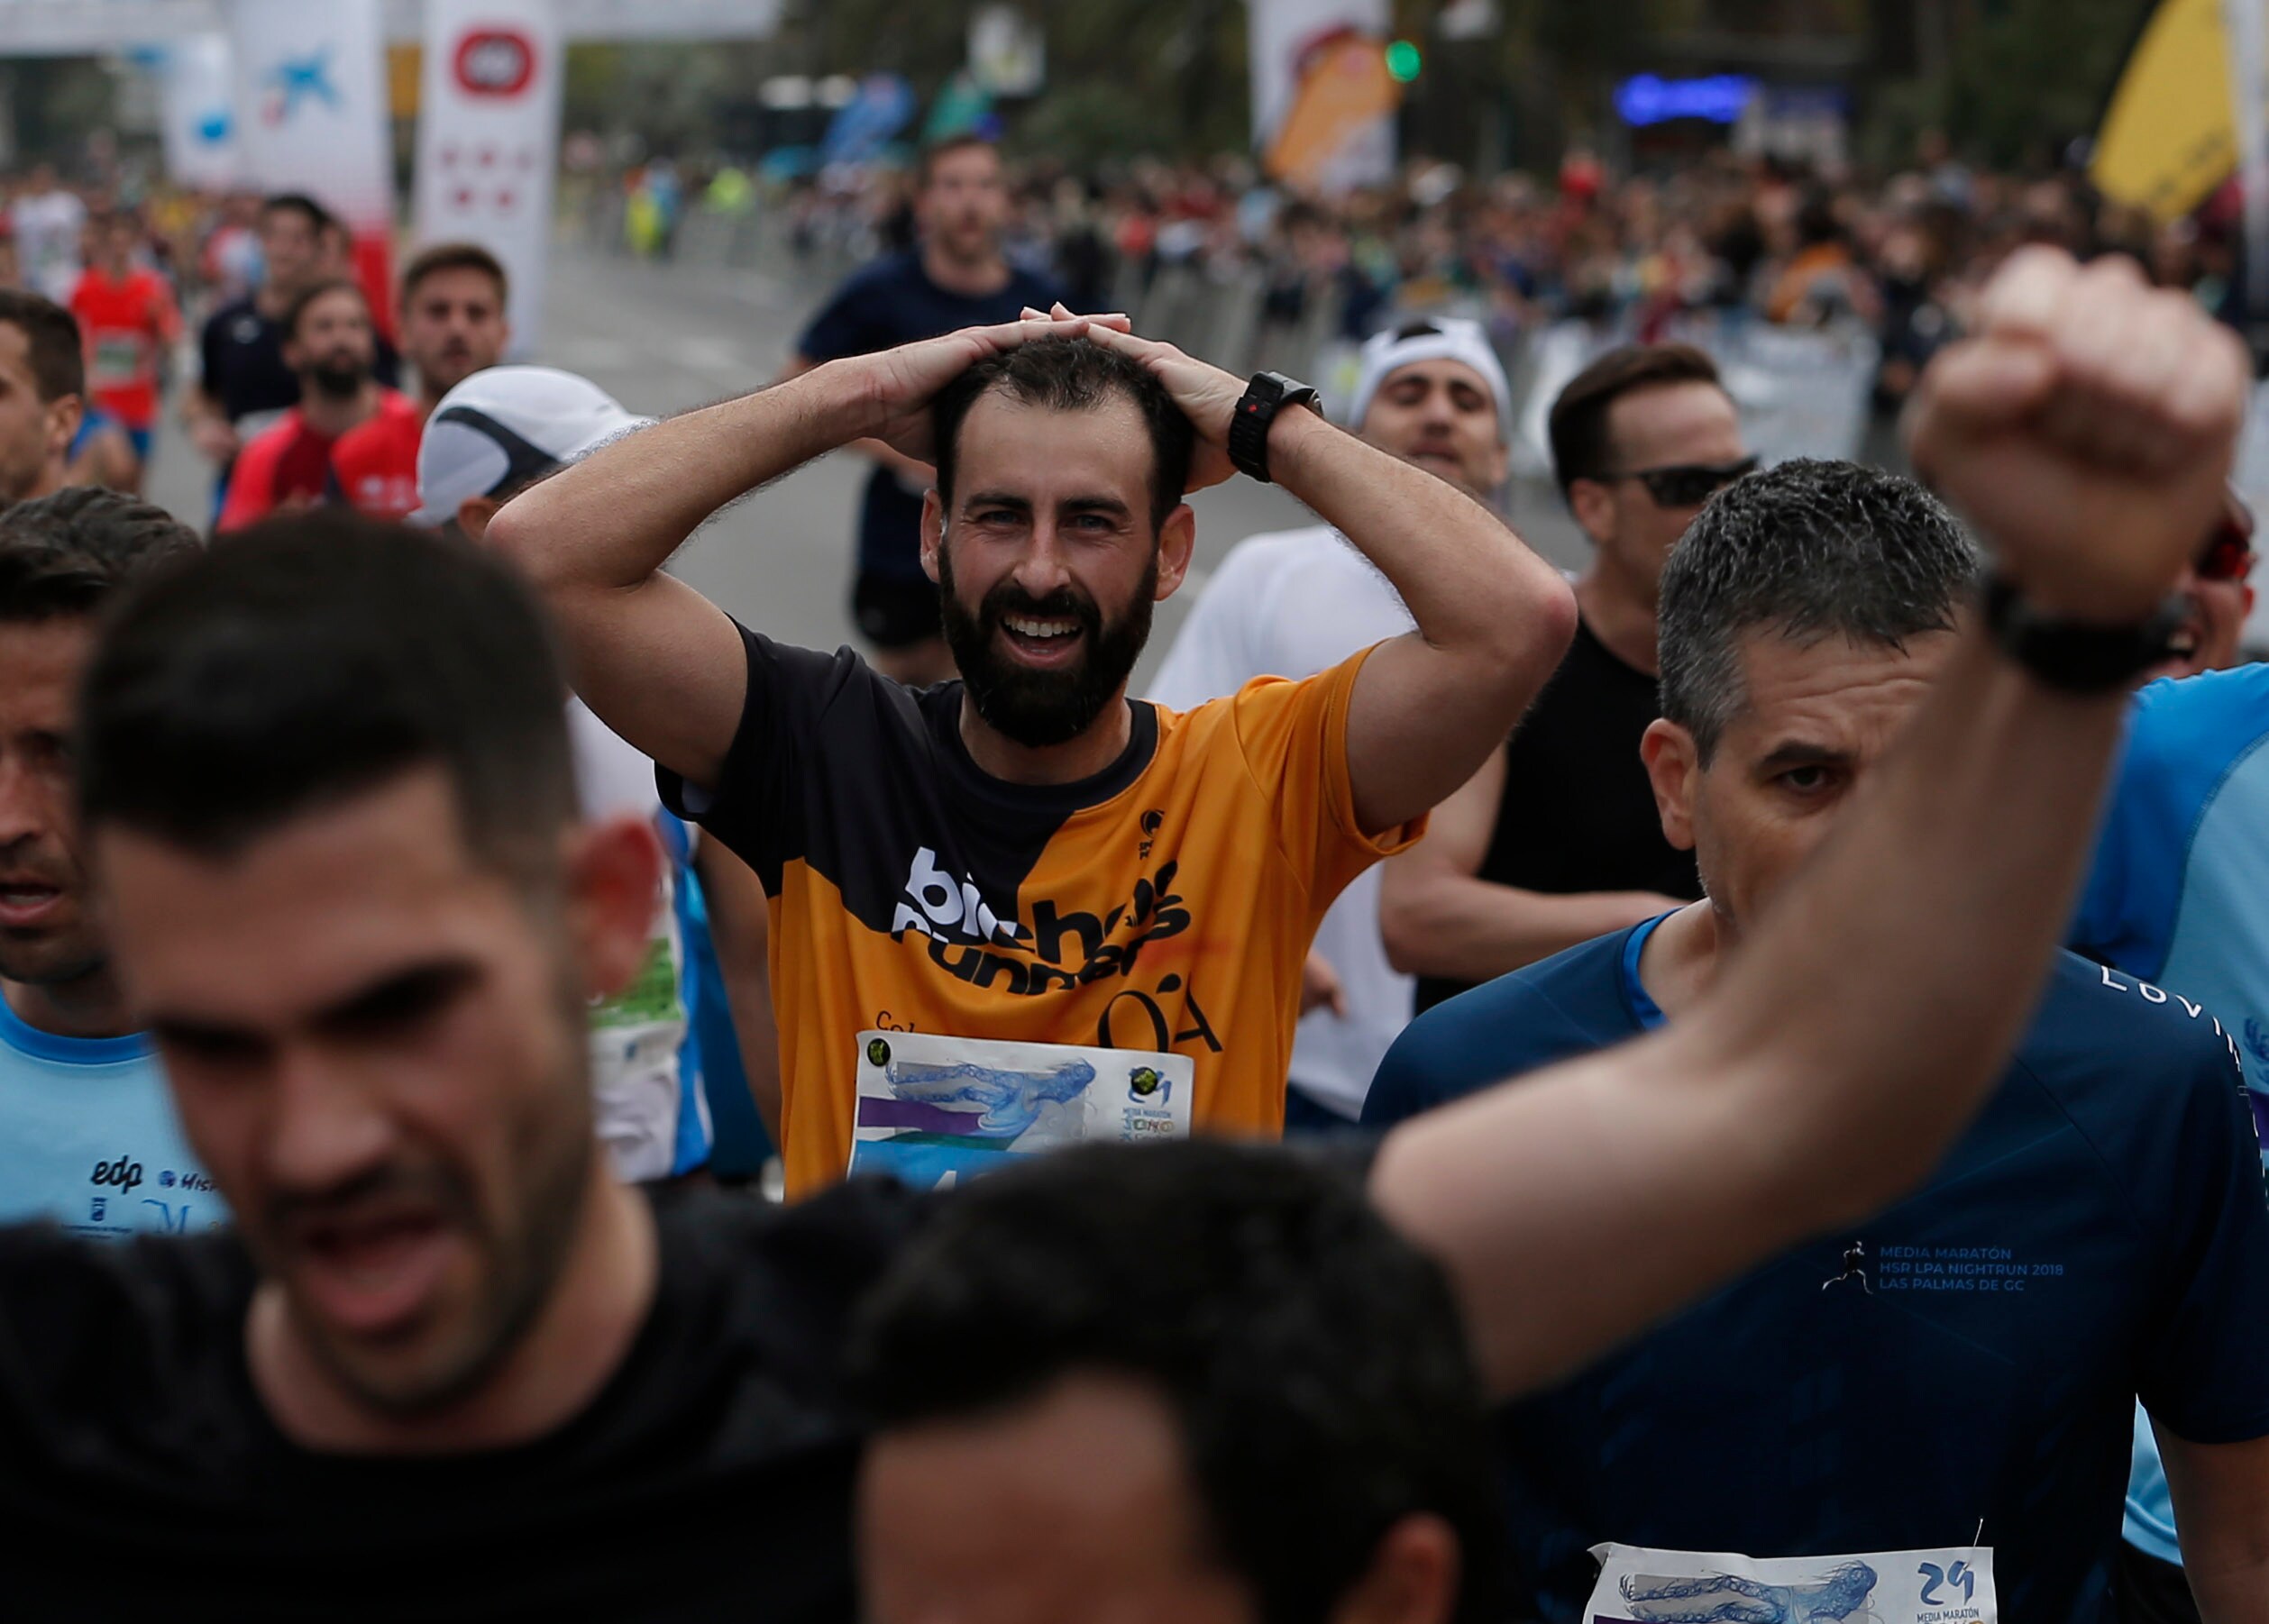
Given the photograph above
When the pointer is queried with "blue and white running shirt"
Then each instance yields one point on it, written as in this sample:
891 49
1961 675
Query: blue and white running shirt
88 1138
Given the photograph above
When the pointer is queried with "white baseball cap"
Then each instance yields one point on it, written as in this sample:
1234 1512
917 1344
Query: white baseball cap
506 426
1432 338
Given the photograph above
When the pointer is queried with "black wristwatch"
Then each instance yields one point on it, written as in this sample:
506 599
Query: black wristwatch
1266 394
2074 655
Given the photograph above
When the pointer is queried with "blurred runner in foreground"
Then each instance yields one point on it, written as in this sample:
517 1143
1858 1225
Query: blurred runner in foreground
1298 602
956 276
2099 1232
444 1346
1028 854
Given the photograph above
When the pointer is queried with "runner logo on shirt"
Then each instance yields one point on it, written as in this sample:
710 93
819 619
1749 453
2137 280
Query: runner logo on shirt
936 903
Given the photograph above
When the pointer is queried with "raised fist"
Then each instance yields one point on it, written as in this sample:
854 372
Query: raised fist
2086 429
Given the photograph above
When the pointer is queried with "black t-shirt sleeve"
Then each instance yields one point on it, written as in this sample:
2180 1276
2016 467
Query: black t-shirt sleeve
754 808
2205 1370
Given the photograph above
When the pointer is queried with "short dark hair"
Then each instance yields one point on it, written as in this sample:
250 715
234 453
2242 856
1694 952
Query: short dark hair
1807 550
64 553
1071 375
1314 1359
52 339
454 256
1578 422
319 219
310 659
321 288
926 162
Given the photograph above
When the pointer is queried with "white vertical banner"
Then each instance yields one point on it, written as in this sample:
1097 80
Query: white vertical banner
2247 35
196 91
487 139
311 108
1297 47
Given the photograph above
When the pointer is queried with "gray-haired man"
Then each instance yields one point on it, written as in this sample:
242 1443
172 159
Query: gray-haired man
1970 1356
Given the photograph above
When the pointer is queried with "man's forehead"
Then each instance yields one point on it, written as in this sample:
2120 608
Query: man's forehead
969 163
304 915
1439 370
1686 410
47 653
467 282
15 353
1786 674
1048 453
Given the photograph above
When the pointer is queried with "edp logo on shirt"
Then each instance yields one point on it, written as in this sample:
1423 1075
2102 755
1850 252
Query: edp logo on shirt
124 1175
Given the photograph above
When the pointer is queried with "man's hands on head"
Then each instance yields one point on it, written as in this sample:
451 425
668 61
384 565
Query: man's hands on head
1207 395
899 385
2086 429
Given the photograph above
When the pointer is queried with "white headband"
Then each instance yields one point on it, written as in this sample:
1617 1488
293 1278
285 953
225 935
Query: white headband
1437 338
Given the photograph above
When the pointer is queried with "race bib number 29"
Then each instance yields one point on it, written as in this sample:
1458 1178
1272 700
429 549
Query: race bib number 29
933 1109
1952 1585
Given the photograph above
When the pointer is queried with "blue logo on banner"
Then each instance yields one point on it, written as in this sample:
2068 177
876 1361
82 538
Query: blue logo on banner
297 80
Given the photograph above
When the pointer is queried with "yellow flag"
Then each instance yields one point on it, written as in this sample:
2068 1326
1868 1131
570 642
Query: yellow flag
2168 138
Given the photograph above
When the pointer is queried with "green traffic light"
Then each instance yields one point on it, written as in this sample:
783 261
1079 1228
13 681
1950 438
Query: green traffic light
1402 61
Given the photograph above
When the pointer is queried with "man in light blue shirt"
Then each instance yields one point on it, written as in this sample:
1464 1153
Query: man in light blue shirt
87 1132
2179 899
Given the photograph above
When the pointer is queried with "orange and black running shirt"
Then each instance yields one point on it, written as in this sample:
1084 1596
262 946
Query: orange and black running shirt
1165 904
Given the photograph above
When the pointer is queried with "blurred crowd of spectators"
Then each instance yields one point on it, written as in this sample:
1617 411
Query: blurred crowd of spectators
1901 255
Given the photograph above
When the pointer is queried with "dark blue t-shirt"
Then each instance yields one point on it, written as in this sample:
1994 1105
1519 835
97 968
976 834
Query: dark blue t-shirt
884 304
1969 1357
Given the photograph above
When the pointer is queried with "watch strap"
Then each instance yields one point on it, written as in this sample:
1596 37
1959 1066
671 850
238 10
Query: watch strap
2074 655
1266 395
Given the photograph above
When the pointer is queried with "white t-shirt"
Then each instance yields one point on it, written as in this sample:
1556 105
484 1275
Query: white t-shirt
47 235
653 1118
1292 603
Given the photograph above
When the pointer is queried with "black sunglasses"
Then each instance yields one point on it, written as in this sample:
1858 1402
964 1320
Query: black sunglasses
2228 554
1687 484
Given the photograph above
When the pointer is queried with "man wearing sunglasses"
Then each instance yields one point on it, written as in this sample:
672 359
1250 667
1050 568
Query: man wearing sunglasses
2179 899
1556 840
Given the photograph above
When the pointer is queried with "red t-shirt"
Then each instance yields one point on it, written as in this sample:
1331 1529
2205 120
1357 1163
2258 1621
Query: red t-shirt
127 325
289 461
374 465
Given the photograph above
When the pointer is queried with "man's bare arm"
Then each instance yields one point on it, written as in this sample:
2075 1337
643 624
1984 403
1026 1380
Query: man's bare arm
1494 619
910 470
660 664
2088 430
2222 1514
1439 918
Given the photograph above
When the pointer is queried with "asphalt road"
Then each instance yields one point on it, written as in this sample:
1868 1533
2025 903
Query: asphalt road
667 337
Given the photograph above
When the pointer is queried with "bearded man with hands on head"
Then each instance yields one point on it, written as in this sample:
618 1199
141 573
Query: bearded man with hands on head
1028 854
